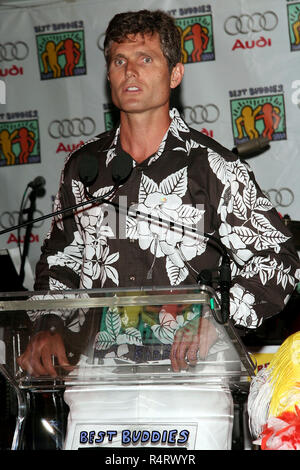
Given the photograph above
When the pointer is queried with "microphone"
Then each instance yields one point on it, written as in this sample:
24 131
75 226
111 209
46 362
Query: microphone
37 182
88 168
121 168
99 199
37 186
88 171
252 147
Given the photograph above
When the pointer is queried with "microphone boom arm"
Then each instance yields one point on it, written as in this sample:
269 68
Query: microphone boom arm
225 272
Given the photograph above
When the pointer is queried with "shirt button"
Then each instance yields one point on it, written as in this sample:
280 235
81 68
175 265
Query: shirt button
132 277
131 240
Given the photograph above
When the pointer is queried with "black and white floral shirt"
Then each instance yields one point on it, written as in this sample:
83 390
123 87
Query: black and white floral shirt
192 181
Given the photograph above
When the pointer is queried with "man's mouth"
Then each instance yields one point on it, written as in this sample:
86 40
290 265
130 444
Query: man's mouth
132 88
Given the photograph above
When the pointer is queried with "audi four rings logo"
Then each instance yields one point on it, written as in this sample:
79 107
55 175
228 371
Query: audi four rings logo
75 127
11 219
13 51
254 23
200 114
283 197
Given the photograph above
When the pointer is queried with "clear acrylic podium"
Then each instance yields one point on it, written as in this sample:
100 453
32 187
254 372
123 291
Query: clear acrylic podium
121 389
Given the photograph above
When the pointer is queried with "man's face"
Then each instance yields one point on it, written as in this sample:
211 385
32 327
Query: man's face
139 74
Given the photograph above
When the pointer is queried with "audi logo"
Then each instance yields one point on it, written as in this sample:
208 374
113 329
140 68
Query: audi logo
199 114
283 197
254 23
13 51
11 219
75 127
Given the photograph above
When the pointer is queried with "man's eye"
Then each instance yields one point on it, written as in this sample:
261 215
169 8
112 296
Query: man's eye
119 62
147 60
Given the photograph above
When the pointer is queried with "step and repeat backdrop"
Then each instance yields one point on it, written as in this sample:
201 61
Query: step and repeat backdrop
242 81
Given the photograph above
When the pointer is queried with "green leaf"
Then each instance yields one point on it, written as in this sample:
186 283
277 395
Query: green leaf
113 323
104 341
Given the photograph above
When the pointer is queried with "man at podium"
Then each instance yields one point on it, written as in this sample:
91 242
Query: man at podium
172 172
156 164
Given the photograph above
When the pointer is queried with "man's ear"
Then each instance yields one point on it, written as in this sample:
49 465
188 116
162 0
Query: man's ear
177 75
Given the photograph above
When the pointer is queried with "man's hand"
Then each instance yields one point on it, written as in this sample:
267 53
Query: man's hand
195 338
37 359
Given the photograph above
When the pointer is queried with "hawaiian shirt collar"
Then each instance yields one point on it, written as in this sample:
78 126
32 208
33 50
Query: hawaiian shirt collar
177 132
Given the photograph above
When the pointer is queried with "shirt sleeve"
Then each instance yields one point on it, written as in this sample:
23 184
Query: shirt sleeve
59 266
264 262
60 263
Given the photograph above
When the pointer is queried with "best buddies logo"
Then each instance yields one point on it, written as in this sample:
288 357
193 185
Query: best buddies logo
61 50
19 138
195 24
293 12
134 437
257 112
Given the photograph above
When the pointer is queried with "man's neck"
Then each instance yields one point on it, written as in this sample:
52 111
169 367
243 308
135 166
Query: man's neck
142 133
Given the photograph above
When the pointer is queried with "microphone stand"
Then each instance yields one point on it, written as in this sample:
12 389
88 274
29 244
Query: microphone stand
225 284
99 199
225 271
30 211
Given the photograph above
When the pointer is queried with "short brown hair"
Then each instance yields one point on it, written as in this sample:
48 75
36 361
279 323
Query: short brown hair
145 22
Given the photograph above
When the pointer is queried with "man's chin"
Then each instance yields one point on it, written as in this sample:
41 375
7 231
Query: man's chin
133 108
138 108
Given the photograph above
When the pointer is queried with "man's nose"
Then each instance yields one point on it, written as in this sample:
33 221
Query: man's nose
131 69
